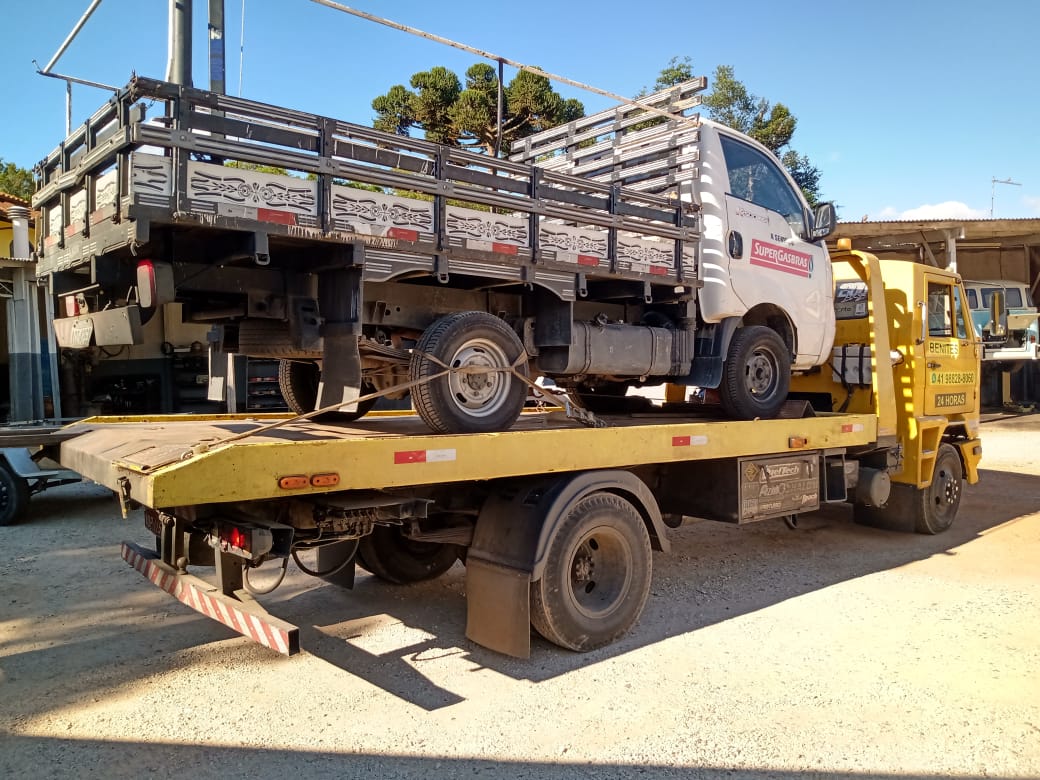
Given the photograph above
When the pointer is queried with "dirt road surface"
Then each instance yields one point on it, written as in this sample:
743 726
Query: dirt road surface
832 650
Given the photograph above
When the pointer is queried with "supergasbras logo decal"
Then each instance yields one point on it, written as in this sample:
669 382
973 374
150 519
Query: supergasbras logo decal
780 258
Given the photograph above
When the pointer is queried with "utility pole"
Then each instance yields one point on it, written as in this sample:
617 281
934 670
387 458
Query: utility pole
217 69
993 190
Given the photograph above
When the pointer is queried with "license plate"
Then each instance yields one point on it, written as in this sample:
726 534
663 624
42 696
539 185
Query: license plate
152 522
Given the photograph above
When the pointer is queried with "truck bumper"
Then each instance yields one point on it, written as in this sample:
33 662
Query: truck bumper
241 614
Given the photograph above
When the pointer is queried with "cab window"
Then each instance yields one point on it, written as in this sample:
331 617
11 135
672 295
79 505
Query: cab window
940 319
973 299
755 177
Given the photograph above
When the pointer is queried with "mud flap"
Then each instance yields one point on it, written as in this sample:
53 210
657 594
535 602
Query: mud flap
339 301
498 607
340 369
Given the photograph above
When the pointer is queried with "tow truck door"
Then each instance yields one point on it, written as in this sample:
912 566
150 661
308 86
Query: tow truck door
950 349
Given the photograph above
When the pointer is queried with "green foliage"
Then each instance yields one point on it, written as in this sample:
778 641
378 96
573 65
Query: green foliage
805 174
16 181
675 72
248 166
466 115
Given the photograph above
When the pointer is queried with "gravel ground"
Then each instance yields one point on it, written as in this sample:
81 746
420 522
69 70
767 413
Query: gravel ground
833 650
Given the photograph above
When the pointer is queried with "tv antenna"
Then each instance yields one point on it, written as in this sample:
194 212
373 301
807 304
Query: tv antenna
993 190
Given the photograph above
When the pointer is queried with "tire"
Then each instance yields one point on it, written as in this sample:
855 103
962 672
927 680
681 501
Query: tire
597 575
929 510
468 403
298 380
757 374
392 557
936 505
14 495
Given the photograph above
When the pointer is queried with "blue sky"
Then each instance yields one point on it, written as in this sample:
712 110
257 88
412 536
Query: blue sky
910 109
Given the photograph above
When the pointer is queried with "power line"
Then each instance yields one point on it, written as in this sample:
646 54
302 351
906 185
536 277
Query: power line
502 60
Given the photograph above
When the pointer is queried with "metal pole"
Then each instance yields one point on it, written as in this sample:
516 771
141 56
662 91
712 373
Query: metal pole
241 48
179 65
68 108
71 35
501 108
217 71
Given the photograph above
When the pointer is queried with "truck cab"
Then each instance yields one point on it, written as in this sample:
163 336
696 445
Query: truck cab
904 350
763 258
1005 318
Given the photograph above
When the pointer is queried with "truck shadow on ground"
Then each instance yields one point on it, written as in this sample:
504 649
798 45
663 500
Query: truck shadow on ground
714 573
112 759
113 628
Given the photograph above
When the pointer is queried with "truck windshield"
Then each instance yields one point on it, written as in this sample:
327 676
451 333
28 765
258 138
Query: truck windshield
1012 296
754 177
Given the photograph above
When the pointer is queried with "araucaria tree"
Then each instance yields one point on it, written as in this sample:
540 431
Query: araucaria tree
467 115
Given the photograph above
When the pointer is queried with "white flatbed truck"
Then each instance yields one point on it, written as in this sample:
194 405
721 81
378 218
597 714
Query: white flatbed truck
555 519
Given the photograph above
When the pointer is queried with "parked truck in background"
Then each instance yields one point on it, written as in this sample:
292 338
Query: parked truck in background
555 520
617 251
1006 320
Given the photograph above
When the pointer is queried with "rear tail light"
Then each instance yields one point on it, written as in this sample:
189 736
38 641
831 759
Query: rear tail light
253 542
75 305
243 541
155 285
146 288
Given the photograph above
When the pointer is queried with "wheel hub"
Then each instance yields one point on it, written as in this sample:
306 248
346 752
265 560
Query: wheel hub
760 374
478 385
583 567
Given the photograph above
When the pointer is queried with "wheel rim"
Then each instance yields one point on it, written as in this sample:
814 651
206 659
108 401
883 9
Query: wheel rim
600 572
762 372
945 490
480 393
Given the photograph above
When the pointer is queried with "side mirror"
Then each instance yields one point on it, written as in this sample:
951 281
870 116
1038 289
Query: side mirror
824 221
997 314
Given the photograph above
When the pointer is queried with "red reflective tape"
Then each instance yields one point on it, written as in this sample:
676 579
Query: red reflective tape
50 240
506 249
680 441
278 217
73 229
659 270
410 456
847 428
403 233
588 260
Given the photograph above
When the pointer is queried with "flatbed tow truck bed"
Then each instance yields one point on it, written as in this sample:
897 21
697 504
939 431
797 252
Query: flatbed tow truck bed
173 461
386 494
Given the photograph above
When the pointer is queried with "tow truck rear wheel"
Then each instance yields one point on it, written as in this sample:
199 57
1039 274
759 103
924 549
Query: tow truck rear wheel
390 555
14 495
483 401
597 574
756 375
298 380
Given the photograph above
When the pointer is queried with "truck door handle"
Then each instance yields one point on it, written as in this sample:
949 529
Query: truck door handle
736 244
933 364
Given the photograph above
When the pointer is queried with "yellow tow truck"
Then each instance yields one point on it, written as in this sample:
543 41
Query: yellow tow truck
555 518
